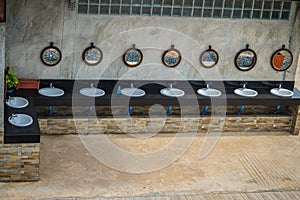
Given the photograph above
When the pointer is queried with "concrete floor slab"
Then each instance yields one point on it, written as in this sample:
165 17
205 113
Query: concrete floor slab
243 165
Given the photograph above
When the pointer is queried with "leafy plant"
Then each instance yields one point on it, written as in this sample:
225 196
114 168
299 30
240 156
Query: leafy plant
11 79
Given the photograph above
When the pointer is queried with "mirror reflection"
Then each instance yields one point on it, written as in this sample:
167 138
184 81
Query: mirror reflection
282 59
245 59
209 58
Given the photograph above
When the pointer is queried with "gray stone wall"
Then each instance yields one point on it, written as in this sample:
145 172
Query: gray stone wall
2 67
32 24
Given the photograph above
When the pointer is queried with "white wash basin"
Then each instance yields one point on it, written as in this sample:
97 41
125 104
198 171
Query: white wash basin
17 102
92 92
209 92
20 120
133 92
51 91
245 92
172 92
282 92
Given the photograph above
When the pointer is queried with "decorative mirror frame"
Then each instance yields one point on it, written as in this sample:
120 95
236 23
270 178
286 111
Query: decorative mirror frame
130 51
209 50
172 51
52 49
276 52
240 52
97 59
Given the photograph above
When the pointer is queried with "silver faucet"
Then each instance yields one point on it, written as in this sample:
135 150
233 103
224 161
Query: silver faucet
207 86
279 86
131 85
12 116
10 98
51 85
171 86
244 85
92 85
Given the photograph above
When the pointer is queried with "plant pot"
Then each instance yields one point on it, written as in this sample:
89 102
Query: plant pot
10 90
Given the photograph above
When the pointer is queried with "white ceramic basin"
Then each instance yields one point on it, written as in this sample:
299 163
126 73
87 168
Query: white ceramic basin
20 120
172 92
209 92
51 92
282 92
133 92
92 92
17 102
246 92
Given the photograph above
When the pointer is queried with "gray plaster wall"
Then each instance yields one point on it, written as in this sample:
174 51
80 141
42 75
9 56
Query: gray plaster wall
32 24
2 64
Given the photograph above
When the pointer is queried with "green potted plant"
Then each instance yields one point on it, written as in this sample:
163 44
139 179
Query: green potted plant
11 80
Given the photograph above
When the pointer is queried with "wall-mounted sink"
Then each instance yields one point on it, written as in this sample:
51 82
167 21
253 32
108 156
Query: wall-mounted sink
51 91
172 92
92 91
282 92
133 92
17 102
209 92
20 120
245 92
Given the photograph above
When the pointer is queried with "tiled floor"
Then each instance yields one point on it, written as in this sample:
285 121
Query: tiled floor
243 167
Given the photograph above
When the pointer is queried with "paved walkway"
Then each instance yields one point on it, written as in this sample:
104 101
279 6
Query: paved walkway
239 167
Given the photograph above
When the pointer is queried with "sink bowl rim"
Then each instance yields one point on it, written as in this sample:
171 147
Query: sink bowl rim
102 92
238 91
14 106
11 121
123 92
61 92
276 91
199 91
182 93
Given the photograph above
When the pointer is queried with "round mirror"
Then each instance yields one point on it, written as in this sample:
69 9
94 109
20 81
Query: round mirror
171 57
245 59
51 55
282 59
209 58
92 55
133 57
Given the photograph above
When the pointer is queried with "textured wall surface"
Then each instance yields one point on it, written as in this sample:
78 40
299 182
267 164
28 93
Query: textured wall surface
163 125
32 24
19 162
2 67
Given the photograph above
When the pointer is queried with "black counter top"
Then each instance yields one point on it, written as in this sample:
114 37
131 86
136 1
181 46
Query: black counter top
153 96
14 134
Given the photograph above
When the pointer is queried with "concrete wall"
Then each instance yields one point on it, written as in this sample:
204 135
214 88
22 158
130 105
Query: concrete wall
32 24
2 67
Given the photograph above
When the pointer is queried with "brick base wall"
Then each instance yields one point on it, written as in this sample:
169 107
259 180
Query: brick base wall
168 125
19 162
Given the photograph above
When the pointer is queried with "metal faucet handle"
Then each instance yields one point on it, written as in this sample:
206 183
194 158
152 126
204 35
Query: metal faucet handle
171 86
244 85
10 98
12 116
279 86
207 86
92 85
131 85
51 85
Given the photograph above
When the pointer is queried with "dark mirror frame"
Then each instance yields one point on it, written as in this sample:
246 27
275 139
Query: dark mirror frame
275 53
209 50
171 50
137 51
240 52
48 48
88 49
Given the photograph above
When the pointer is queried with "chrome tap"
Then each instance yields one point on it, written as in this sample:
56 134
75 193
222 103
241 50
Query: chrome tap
131 85
171 86
51 85
244 85
12 116
207 86
92 85
279 86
